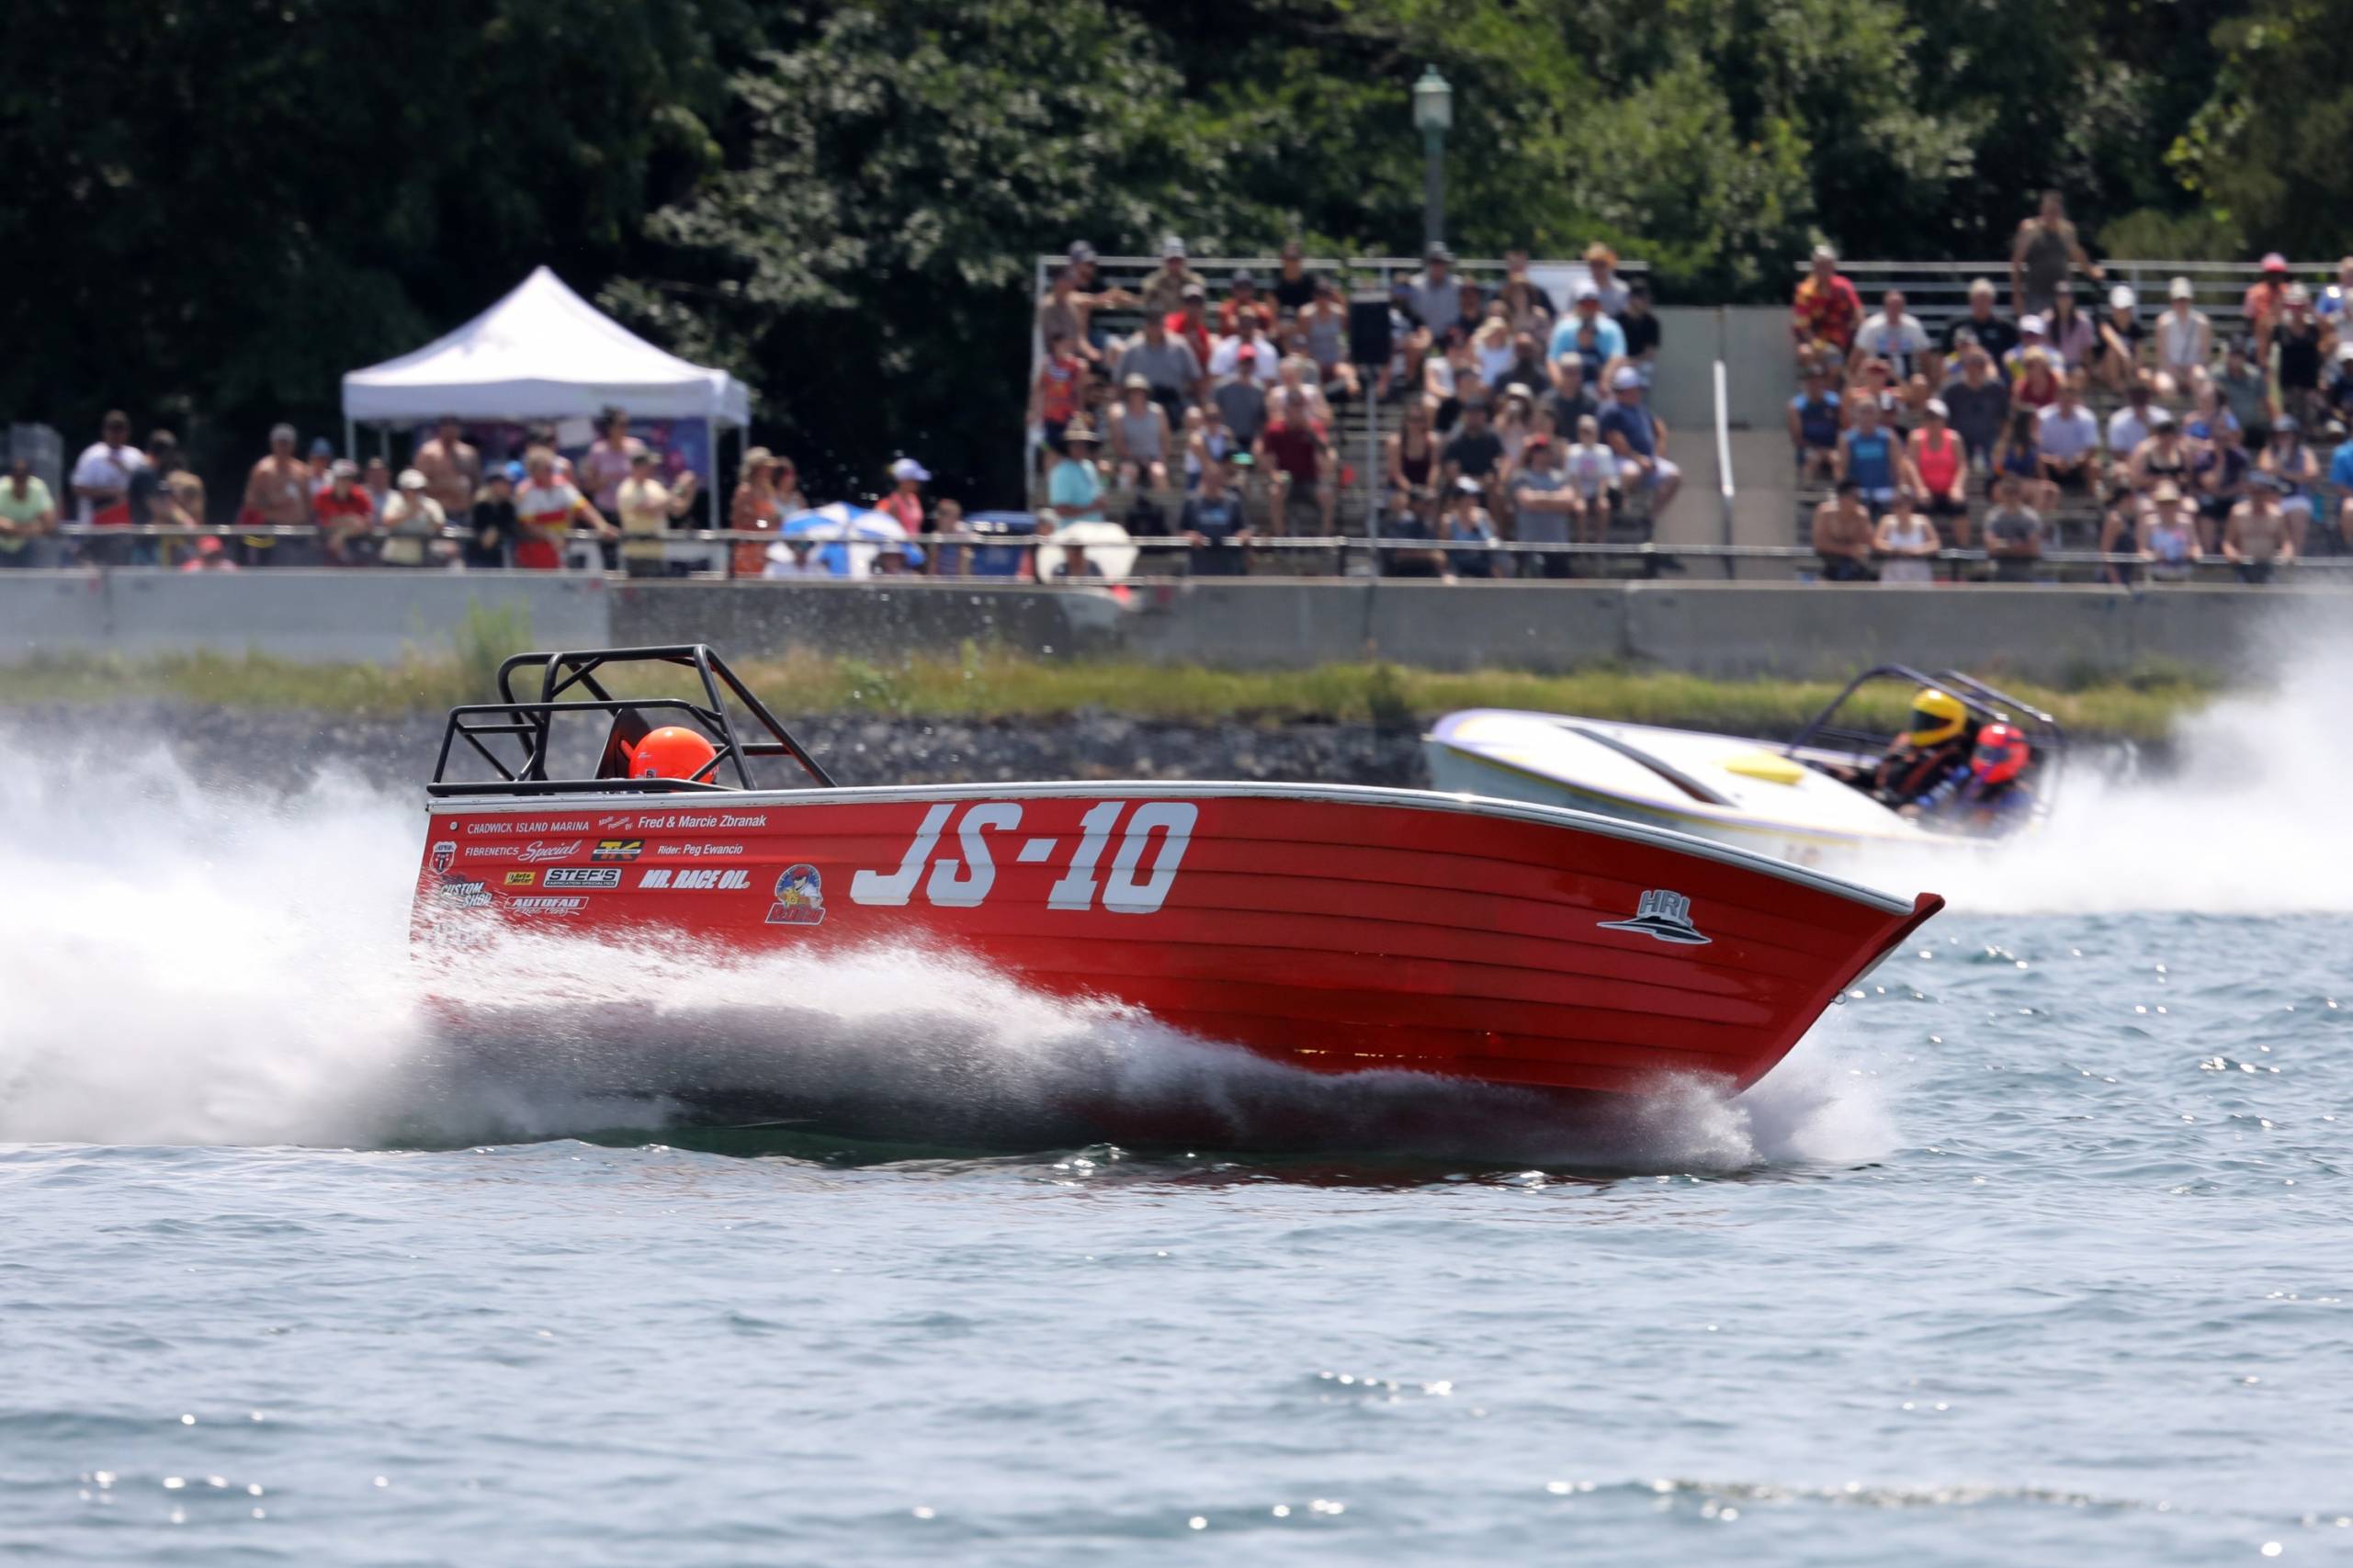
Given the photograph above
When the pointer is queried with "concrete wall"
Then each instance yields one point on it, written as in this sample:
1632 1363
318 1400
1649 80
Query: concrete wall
325 615
1703 627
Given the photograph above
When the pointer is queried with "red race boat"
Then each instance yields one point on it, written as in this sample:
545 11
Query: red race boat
1333 928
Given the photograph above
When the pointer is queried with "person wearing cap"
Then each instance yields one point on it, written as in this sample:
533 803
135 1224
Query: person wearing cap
2159 456
754 509
2115 357
1248 346
2260 304
1592 470
1064 314
27 511
2185 340
2220 467
1826 309
1435 295
1056 397
1940 464
2299 341
1074 485
412 521
1907 542
322 463
1588 333
1870 452
1172 371
1294 454
2029 341
1163 292
2043 253
1895 334
1639 439
1474 451
1139 437
1844 536
2069 433
1467 534
1243 304
547 508
2340 476
2337 396
1323 324
2336 306
2262 534
1241 397
208 554
609 459
344 514
1215 524
646 510
2288 463
2159 536
2129 425
904 505
100 484
1295 285
1542 499
1980 325
492 525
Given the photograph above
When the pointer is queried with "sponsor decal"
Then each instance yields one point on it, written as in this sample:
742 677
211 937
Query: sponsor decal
617 849
472 829
543 906
689 821
612 823
584 876
800 897
538 825
444 853
697 851
523 878
539 851
465 895
696 878
1664 915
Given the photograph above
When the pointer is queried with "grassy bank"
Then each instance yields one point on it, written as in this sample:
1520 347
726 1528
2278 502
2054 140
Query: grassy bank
995 686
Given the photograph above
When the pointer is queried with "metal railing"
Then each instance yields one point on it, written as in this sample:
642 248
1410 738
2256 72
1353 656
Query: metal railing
1651 556
1938 291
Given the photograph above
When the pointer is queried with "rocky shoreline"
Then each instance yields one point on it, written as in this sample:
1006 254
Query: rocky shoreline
217 744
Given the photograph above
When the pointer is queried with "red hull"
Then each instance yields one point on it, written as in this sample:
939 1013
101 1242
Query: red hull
1334 929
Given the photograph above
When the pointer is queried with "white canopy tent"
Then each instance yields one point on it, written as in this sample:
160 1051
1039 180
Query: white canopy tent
543 353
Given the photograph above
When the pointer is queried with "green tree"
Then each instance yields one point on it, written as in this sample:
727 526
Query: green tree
2267 153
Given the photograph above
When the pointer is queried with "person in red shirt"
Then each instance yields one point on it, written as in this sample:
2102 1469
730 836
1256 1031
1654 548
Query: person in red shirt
545 510
1292 452
1827 309
344 514
1192 323
1061 386
2264 301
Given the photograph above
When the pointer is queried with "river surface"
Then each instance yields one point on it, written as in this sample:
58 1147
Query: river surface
2036 1252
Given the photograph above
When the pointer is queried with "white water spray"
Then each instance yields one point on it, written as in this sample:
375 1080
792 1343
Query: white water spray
184 964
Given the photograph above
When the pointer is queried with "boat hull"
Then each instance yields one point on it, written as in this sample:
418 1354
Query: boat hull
1336 930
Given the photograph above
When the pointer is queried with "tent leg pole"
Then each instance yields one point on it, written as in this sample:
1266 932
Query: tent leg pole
350 438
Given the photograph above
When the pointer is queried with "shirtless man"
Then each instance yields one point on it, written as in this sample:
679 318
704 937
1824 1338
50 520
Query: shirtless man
1844 536
2257 537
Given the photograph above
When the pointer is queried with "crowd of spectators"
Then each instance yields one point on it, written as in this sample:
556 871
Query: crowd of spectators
1514 416
1990 435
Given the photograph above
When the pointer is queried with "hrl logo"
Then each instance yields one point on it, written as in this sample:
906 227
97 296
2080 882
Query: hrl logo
1664 915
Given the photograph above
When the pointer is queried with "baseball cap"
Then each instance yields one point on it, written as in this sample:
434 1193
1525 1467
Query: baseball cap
1135 384
1245 278
2166 491
1245 353
512 472
281 433
1824 252
1537 442
1936 406
1438 253
1627 378
2162 420
2122 298
344 469
2030 323
2286 422
1586 290
1521 391
410 480
908 469
1172 247
1082 251
2181 289
2298 294
1194 291
2274 261
1466 486
322 447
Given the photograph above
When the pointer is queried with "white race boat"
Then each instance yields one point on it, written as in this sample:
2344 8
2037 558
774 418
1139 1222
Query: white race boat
1805 800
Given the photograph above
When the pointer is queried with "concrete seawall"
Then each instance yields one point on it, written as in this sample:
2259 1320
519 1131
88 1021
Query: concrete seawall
1709 628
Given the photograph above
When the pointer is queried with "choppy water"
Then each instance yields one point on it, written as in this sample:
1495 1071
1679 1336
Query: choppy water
2036 1252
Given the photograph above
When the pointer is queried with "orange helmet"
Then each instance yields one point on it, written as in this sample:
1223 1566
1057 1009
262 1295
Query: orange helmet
2002 754
672 752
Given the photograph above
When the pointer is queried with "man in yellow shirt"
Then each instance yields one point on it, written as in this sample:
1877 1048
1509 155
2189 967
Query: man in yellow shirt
645 506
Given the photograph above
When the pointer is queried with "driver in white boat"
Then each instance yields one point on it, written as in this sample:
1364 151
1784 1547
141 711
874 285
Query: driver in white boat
1933 750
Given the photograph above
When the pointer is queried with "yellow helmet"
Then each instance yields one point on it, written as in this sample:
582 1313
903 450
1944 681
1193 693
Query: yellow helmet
1937 717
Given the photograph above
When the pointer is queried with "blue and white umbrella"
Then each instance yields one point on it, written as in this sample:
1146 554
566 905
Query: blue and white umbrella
851 537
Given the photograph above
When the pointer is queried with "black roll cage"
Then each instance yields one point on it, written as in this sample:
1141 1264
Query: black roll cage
1986 704
490 727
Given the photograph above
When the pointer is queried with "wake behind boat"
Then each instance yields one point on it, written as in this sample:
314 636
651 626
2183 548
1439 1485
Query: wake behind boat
1333 928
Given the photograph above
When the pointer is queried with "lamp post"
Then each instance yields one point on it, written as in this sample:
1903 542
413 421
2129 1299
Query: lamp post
1433 116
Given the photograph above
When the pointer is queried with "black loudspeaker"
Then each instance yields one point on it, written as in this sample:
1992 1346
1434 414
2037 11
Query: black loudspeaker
1368 331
